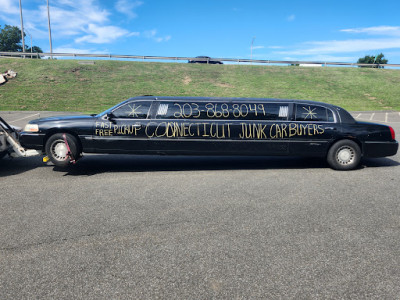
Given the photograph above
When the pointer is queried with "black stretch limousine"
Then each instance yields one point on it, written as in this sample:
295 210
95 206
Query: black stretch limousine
213 126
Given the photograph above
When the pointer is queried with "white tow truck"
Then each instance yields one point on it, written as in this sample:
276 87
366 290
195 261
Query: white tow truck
9 143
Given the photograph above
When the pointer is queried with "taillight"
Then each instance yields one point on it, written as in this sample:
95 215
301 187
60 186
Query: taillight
392 133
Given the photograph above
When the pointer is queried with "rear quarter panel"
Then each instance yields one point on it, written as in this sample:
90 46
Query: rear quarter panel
375 139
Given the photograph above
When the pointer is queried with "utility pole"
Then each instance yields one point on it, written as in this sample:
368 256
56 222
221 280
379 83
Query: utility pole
30 35
251 48
48 17
22 26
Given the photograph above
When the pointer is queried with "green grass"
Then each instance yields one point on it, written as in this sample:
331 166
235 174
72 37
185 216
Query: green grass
65 85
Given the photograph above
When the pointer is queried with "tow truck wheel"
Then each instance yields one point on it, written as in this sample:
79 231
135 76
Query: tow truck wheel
57 150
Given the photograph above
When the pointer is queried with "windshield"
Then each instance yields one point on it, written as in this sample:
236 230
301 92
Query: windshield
111 109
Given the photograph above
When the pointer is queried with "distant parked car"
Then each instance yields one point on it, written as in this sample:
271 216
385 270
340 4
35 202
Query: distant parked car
205 60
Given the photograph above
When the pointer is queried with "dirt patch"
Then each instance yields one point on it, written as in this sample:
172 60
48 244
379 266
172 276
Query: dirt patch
370 97
48 79
187 80
77 71
224 85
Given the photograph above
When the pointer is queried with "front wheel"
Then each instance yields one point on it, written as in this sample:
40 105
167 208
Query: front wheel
2 154
344 155
57 150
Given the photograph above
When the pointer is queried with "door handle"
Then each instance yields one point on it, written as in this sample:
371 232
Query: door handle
330 128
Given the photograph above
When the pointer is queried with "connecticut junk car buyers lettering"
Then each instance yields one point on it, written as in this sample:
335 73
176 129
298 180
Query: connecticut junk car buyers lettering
252 130
226 115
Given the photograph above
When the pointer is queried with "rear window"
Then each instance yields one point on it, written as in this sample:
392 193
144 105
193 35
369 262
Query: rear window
313 113
223 111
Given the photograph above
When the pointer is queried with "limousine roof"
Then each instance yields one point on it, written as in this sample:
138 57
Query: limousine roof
220 99
345 117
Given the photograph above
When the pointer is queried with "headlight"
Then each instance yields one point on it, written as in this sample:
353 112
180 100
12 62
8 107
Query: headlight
31 128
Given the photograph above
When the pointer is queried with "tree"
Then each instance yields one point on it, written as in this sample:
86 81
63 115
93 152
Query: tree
11 40
35 49
370 59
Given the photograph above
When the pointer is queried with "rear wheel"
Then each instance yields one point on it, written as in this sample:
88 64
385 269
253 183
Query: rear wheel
57 150
344 155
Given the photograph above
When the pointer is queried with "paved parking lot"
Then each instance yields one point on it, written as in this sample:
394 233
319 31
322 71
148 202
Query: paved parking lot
130 227
378 116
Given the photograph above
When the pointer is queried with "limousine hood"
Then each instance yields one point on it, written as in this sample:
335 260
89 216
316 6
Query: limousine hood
61 118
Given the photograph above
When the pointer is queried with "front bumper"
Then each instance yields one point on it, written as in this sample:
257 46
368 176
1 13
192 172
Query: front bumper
30 140
380 149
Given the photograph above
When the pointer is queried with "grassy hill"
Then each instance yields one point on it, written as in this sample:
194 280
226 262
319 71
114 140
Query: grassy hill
66 85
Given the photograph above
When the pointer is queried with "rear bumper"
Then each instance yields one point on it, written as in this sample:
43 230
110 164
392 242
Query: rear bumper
31 140
380 149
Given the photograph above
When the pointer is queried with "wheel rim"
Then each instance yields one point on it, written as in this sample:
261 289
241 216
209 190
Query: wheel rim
59 150
345 155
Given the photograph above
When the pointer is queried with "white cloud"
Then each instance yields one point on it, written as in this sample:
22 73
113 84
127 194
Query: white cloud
163 39
152 34
102 34
83 21
258 47
291 18
133 34
9 12
349 49
377 30
66 49
127 7
328 50
324 58
69 18
346 46
9 7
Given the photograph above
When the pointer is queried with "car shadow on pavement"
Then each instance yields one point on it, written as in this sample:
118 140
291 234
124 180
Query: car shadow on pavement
14 166
96 164
379 162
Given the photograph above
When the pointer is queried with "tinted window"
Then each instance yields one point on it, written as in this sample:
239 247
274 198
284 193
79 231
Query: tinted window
133 110
222 111
331 118
313 113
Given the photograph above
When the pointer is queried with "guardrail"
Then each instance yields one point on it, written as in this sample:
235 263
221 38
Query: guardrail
208 60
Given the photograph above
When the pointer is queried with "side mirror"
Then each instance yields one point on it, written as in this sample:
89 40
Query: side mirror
110 117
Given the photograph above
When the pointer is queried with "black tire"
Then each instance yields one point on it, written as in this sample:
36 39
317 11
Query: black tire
2 154
56 149
344 155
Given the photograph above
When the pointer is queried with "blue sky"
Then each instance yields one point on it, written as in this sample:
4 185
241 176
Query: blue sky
283 30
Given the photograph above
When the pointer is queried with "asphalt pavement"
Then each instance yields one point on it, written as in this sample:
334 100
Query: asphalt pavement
149 227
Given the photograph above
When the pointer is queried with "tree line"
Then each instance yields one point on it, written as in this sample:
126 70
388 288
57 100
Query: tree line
11 40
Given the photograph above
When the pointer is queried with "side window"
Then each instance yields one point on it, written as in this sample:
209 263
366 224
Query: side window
171 110
331 118
223 111
133 110
313 113
276 111
259 111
